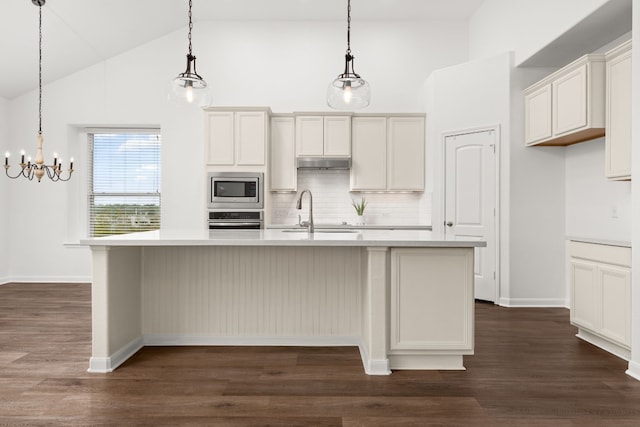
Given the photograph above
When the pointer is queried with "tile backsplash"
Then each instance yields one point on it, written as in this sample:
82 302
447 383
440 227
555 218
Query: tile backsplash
332 203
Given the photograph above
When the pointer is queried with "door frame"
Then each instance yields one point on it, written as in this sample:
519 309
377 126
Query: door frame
442 189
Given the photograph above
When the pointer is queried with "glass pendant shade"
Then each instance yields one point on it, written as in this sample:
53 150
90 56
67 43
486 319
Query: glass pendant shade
189 87
348 93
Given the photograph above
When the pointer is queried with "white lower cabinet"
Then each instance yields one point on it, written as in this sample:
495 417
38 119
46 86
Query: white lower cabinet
431 306
600 285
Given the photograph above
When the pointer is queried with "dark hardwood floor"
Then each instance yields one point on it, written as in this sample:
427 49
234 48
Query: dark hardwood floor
528 370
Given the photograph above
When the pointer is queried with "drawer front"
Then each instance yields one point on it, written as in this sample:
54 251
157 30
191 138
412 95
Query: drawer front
616 255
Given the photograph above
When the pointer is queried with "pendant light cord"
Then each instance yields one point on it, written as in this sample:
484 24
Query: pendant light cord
349 27
190 26
40 72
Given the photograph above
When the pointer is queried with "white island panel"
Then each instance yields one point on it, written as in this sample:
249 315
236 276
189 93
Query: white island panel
244 295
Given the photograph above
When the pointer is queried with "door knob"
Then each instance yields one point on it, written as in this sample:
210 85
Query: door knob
448 224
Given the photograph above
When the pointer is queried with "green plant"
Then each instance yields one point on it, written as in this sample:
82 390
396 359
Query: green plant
359 206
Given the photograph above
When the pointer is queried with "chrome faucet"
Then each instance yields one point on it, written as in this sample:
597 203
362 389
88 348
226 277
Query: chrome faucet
309 223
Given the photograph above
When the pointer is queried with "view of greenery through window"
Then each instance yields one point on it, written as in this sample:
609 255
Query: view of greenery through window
124 188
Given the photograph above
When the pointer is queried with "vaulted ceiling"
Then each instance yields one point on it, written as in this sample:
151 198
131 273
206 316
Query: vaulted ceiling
80 33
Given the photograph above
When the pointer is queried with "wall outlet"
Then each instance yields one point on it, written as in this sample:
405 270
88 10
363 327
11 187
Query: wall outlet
614 212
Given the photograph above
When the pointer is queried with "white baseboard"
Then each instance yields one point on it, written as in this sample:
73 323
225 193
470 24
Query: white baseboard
534 302
4 280
441 362
604 344
373 366
49 279
634 370
302 341
108 364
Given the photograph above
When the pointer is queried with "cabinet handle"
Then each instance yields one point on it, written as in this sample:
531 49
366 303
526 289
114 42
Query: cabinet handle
448 224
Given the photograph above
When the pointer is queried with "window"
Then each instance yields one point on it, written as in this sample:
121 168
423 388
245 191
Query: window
124 182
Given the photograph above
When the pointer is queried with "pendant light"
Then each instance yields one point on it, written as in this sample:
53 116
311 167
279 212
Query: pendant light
189 87
38 168
349 91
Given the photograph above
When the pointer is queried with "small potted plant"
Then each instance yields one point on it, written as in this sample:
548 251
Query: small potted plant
359 207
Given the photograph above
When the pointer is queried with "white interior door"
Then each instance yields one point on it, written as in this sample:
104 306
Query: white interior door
470 200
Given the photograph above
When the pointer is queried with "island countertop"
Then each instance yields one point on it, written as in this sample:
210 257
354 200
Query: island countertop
279 237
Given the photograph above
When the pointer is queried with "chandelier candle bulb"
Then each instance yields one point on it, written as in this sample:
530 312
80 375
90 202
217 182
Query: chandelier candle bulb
22 157
6 158
55 159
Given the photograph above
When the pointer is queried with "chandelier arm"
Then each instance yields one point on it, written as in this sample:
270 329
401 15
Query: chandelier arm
20 173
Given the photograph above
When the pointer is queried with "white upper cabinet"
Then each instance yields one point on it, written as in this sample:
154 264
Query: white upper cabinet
323 135
618 138
236 137
538 114
405 154
369 153
387 153
282 168
568 106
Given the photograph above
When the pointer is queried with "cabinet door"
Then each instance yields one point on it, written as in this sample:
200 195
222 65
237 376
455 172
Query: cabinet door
616 303
250 137
219 128
369 153
283 154
618 136
585 295
405 154
570 101
431 296
309 135
537 106
337 136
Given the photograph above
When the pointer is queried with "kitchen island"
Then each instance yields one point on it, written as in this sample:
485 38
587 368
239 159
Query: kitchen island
405 298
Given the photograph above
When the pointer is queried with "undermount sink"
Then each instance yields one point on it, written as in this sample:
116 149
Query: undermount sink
304 230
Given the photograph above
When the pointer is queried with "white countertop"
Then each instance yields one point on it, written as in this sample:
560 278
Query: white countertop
355 227
275 237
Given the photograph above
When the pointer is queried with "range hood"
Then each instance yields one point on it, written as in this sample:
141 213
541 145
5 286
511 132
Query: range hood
324 163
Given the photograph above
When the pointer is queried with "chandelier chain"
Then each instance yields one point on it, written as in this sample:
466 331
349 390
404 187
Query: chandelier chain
190 26
40 70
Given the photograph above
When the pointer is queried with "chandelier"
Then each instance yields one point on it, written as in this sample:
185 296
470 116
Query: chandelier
348 91
189 87
38 168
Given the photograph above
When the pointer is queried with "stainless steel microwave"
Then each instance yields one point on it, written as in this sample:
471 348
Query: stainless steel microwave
235 190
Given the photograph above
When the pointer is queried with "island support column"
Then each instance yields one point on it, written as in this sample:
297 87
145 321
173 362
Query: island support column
375 311
116 306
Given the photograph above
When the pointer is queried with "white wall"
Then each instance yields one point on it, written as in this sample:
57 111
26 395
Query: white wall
485 93
595 206
634 363
536 203
4 195
523 26
285 65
